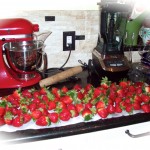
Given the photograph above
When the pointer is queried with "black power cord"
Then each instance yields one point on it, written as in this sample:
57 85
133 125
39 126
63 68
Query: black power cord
49 70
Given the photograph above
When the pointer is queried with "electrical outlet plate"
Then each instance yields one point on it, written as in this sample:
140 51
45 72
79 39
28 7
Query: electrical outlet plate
68 40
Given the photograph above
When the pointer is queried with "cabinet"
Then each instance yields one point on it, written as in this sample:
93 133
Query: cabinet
115 138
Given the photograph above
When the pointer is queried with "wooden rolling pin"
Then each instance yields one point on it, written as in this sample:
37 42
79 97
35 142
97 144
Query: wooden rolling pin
60 76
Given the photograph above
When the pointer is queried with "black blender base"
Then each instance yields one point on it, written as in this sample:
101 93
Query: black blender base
112 76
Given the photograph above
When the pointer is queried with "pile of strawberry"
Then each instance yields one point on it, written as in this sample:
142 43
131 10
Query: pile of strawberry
46 106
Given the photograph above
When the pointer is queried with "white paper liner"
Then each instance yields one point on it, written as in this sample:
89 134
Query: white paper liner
79 119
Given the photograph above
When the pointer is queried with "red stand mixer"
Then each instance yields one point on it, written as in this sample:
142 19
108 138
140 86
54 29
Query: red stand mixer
20 53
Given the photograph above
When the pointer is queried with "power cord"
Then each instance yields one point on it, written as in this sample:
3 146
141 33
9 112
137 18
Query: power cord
62 67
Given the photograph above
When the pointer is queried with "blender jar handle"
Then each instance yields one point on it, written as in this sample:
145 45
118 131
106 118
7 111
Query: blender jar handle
42 61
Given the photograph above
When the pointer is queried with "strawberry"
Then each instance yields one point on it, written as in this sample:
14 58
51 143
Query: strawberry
65 115
36 100
88 105
8 117
66 99
110 109
120 93
97 92
145 108
102 112
64 89
79 107
136 106
105 83
27 93
73 110
26 118
56 92
88 87
87 114
132 88
36 114
100 104
77 87
80 95
43 121
118 108
54 117
2 121
145 98
17 121
2 108
123 83
43 91
51 105
17 94
36 94
129 108
60 105
32 106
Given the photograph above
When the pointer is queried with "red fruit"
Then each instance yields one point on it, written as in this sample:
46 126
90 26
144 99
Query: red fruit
97 92
145 108
87 114
43 121
79 107
65 115
73 110
88 105
26 118
36 100
129 108
32 106
8 117
64 89
51 105
45 99
105 83
100 104
77 87
27 93
55 92
2 110
145 98
36 94
17 94
2 121
18 121
110 109
36 114
132 88
66 99
43 91
60 105
88 87
102 112
80 95
118 100
136 106
53 117
118 108
123 83
74 113
121 93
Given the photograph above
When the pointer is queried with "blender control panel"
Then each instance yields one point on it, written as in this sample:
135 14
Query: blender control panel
114 63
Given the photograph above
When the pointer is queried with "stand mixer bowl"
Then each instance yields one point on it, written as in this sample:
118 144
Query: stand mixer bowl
24 56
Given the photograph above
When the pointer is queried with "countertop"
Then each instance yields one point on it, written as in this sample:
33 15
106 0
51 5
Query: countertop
75 129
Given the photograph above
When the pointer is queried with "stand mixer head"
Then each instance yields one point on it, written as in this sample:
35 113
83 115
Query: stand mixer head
20 54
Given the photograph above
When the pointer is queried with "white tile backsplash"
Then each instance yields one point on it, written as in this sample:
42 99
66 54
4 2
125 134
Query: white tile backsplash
83 22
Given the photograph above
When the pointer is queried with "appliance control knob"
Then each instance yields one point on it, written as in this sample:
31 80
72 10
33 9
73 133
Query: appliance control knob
35 27
3 39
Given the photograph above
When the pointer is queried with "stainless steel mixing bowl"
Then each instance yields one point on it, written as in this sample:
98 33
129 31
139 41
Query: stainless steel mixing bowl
24 55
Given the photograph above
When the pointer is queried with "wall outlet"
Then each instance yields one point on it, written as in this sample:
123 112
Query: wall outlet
68 40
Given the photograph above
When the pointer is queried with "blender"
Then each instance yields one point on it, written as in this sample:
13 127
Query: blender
108 56
21 54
